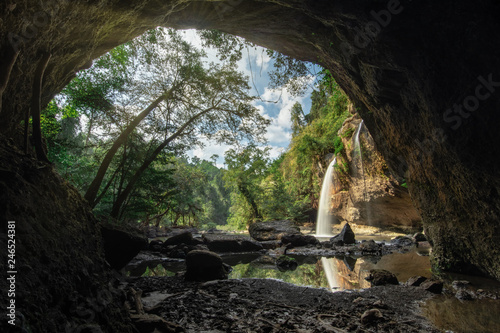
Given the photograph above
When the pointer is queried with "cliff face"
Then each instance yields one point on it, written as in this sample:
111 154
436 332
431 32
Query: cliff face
366 192
424 75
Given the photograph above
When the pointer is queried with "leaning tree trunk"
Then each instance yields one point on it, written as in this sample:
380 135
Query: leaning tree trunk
93 189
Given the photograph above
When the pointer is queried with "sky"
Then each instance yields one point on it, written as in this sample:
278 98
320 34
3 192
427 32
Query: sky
273 104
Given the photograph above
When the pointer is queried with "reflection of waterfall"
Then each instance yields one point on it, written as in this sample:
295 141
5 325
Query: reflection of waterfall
357 165
331 272
325 219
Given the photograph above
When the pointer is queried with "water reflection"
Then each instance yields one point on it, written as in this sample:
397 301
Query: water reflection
338 273
347 273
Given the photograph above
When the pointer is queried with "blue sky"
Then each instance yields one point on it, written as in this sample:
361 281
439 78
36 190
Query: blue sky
274 104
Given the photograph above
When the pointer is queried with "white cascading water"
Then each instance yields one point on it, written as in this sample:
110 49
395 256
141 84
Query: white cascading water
357 155
325 219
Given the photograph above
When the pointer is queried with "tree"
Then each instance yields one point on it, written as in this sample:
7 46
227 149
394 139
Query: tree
246 167
297 118
186 101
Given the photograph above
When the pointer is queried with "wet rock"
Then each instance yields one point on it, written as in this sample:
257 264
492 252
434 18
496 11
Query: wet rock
270 245
285 263
205 266
465 295
155 245
369 246
248 245
460 284
415 281
346 236
178 253
402 241
122 244
326 244
231 243
154 323
272 230
371 316
185 237
198 247
433 286
299 240
380 277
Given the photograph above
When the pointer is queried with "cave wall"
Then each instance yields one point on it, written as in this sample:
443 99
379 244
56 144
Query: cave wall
63 283
424 76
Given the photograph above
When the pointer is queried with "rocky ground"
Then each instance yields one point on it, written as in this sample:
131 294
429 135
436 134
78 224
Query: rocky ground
173 304
264 305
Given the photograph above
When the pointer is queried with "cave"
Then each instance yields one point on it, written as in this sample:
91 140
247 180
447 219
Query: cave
423 75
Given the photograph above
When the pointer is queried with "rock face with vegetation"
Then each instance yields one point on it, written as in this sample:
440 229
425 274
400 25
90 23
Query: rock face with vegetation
365 191
423 74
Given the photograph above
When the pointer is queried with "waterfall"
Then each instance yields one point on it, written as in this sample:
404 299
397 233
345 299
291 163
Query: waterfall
325 219
358 156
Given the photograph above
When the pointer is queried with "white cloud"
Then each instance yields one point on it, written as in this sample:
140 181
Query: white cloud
274 105
275 152
278 135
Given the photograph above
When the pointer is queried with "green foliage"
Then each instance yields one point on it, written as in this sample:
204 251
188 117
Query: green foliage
289 186
315 141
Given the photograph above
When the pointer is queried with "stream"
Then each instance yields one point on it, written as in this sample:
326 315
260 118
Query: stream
348 273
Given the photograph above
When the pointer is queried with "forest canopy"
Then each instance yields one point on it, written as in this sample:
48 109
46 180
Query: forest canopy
121 129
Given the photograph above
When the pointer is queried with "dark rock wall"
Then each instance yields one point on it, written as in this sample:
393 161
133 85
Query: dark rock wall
423 57
62 283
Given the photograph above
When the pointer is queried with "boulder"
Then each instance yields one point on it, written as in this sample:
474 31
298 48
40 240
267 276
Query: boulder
270 245
465 295
381 277
272 230
231 243
346 236
205 266
122 244
286 263
185 237
299 240
369 246
415 281
178 253
460 284
402 241
155 245
433 286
